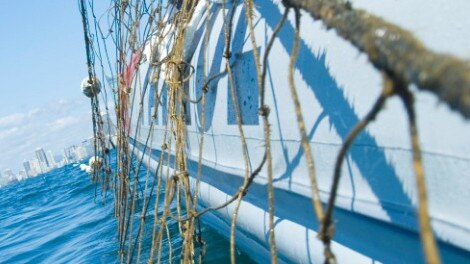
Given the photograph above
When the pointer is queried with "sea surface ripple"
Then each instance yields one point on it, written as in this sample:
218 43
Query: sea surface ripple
55 218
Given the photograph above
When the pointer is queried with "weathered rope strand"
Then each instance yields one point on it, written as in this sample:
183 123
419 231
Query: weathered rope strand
327 226
394 50
429 245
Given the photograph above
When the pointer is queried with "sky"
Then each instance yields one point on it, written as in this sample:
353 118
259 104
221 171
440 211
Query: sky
42 62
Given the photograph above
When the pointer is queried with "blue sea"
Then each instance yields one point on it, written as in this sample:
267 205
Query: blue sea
55 218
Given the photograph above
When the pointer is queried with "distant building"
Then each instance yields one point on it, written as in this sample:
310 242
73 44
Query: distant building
9 175
35 167
43 161
21 175
81 153
27 168
63 161
70 154
50 158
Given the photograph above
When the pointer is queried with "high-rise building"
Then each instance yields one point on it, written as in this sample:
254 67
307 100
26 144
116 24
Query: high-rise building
50 158
27 168
35 167
43 161
69 154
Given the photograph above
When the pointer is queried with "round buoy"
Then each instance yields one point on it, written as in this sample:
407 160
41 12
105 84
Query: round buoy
92 88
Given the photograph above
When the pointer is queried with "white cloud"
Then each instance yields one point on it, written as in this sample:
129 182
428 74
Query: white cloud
34 112
64 122
54 126
11 120
5 133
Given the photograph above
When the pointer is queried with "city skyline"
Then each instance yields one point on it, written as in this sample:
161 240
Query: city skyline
41 69
45 160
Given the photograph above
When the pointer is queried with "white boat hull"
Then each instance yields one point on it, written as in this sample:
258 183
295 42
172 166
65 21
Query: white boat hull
375 214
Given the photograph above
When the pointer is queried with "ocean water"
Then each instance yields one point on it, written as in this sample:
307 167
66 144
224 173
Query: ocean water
55 218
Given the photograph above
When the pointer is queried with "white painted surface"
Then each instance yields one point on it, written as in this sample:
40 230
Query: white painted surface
337 87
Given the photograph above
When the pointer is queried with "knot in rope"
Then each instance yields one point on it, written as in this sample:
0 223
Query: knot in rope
264 111
227 54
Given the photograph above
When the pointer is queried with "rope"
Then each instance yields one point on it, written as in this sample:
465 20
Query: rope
396 52
136 24
426 234
264 112
99 144
317 207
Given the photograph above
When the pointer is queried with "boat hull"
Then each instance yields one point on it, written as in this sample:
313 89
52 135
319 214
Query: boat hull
375 213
